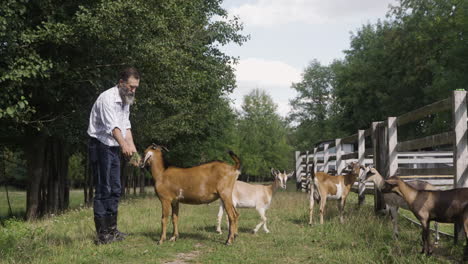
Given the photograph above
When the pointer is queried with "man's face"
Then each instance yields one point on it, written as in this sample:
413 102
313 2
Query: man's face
127 89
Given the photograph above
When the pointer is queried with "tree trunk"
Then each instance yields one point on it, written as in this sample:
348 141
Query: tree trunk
5 178
48 190
141 175
35 154
85 184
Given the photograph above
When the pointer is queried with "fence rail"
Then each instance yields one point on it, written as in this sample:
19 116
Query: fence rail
408 159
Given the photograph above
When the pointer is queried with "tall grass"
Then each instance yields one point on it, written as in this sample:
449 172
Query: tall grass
363 238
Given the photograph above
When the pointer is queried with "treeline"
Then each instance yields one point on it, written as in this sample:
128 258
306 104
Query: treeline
56 57
416 56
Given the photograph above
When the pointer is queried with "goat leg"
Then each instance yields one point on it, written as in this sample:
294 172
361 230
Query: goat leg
394 216
165 214
175 220
425 238
232 215
341 205
322 209
311 206
465 228
437 235
220 218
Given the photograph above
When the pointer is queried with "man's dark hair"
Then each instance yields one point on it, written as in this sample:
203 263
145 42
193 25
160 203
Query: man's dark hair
129 72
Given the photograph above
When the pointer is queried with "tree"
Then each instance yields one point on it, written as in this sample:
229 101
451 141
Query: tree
263 136
314 108
56 57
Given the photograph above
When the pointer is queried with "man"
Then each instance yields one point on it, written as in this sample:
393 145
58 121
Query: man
110 132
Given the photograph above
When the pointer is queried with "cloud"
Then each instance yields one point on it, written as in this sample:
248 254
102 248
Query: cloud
274 77
277 12
266 72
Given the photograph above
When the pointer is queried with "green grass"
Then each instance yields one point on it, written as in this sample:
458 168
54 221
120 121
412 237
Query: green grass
363 238
18 201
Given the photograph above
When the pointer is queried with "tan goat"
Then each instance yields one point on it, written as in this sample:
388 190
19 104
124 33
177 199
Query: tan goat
196 185
257 196
447 206
325 186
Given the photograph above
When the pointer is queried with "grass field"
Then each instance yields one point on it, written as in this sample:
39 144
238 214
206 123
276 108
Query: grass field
363 238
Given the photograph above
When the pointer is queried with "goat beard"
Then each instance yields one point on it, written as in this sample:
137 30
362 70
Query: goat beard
127 96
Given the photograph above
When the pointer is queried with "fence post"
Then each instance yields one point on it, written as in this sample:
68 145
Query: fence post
307 171
298 170
339 163
460 153
361 160
315 160
326 155
379 144
392 146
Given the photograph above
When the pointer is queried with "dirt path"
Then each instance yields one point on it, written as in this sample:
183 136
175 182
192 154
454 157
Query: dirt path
185 258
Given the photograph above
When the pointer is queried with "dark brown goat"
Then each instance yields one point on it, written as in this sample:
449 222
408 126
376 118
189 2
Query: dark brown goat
447 206
394 201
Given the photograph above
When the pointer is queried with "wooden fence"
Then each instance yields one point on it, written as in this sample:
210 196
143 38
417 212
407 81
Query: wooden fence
417 158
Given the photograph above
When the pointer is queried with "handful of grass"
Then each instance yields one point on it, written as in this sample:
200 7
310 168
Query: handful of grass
135 159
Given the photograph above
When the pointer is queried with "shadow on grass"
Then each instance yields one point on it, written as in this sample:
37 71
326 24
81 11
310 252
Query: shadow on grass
60 240
16 215
195 236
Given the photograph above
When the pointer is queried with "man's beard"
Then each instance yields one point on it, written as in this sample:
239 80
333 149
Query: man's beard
127 96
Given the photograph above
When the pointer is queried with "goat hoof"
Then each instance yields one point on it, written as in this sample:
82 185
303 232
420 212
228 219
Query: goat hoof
173 239
160 242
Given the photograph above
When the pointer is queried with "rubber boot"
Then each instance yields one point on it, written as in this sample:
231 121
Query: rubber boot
102 232
116 234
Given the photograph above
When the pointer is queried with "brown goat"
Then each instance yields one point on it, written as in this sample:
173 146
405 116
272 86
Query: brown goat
394 201
331 187
447 206
196 185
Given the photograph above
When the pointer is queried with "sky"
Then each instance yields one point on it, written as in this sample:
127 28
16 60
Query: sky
286 35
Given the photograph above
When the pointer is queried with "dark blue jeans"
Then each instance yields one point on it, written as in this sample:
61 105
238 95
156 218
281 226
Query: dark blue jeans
105 164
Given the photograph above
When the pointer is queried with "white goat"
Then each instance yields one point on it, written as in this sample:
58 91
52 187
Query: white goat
245 195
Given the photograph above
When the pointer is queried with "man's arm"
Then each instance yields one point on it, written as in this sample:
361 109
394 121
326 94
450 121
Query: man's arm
127 149
129 139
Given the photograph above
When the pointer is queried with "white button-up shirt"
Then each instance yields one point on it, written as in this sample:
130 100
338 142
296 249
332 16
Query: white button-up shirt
109 112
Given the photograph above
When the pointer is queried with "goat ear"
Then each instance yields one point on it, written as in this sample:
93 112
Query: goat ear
154 146
273 172
163 147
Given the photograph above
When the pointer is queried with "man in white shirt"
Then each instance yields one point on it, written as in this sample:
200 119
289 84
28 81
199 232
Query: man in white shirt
110 132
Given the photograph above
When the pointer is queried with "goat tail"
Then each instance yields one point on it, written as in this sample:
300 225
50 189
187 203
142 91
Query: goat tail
312 172
313 187
236 159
